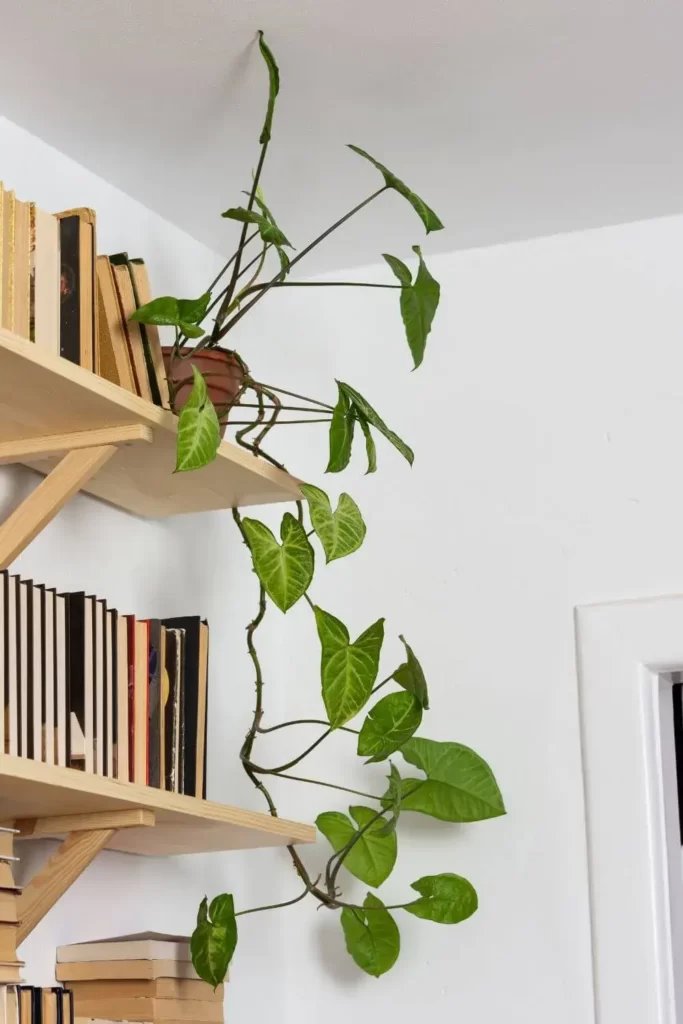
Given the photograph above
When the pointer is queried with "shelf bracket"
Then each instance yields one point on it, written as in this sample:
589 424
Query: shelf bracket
87 451
88 834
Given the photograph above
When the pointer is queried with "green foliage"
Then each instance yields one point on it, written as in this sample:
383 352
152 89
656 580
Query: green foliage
393 800
269 231
213 941
273 87
459 784
340 532
351 406
348 670
446 899
286 569
426 215
389 725
261 203
168 311
372 936
419 302
199 432
372 856
410 676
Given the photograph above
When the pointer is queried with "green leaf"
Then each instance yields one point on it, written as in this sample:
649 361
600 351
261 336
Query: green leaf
269 231
389 725
199 433
370 449
273 87
162 311
446 899
460 786
362 410
372 937
426 215
340 532
261 203
393 799
341 434
348 670
419 303
190 330
213 941
372 857
410 676
191 311
285 570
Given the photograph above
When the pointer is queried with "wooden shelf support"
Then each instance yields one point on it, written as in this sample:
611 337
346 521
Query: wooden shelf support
88 834
87 451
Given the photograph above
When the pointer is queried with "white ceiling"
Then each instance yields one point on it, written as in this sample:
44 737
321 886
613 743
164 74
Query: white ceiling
513 118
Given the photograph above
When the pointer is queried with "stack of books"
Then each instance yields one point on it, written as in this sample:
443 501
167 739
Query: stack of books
58 293
86 687
10 965
147 977
27 1004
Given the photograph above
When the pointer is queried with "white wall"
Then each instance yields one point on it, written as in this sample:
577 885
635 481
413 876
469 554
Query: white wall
546 425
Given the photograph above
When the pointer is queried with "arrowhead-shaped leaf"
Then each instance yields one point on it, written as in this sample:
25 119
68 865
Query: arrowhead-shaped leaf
340 532
199 433
419 301
426 215
269 231
446 899
191 311
389 725
393 799
261 203
273 87
370 448
410 676
348 670
372 936
459 786
214 939
364 411
341 434
372 857
286 569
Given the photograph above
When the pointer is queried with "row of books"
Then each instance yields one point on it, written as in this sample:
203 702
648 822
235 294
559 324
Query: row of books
58 293
26 1004
86 687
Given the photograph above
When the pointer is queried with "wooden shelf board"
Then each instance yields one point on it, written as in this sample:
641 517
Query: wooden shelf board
42 394
30 789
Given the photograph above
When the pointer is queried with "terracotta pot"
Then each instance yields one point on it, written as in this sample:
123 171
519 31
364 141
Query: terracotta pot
223 373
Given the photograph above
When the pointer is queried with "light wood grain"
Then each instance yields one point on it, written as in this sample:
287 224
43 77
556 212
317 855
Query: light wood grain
65 865
60 825
51 494
183 823
54 444
41 393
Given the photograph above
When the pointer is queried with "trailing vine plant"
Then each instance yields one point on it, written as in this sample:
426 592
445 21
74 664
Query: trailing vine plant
445 780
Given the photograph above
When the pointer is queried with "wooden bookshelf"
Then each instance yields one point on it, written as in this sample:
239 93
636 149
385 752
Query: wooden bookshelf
31 791
45 396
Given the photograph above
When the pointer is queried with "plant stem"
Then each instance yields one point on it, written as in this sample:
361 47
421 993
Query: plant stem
227 266
383 683
281 423
304 721
332 872
291 764
292 394
304 252
318 284
275 906
330 785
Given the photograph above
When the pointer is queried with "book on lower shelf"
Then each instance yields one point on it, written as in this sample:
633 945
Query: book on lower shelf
86 687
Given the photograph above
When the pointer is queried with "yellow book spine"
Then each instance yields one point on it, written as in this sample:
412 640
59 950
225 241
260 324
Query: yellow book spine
9 228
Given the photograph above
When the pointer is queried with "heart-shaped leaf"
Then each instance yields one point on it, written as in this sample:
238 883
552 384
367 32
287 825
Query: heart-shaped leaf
426 215
459 786
340 532
269 231
273 87
372 936
286 569
372 857
363 411
168 311
393 799
419 302
341 434
389 725
348 670
213 941
191 311
199 433
446 899
410 676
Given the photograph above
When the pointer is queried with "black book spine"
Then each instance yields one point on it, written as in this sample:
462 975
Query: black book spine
28 668
189 700
70 308
75 645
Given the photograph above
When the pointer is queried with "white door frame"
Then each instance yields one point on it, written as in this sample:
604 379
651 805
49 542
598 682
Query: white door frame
626 652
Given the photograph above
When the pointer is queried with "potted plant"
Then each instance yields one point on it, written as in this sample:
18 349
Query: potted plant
211 384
